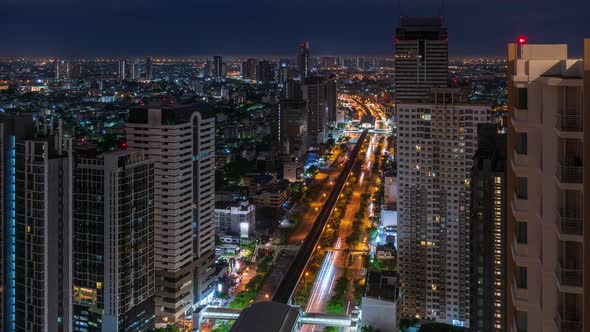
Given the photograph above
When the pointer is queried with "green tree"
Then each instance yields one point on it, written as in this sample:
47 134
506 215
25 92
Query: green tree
225 326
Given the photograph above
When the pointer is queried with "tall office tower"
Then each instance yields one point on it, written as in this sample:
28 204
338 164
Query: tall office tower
134 73
421 57
283 72
113 241
218 74
36 227
303 65
359 62
293 128
292 90
548 200
148 68
180 138
250 70
122 70
314 91
264 72
488 232
61 69
332 98
436 143
208 68
75 71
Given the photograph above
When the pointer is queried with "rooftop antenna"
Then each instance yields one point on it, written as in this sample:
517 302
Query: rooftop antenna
399 8
441 10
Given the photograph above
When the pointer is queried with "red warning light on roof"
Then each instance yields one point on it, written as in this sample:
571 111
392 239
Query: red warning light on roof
124 144
522 40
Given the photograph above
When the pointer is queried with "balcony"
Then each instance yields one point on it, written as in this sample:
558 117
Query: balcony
520 206
519 250
520 296
569 277
570 120
568 325
569 221
520 160
568 173
521 114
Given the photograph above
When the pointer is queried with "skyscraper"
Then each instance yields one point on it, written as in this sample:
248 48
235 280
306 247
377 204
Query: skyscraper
314 91
218 74
134 72
303 64
332 98
113 216
122 70
488 291
293 128
264 72
421 57
180 138
437 138
148 68
75 71
36 227
61 69
283 72
250 70
548 200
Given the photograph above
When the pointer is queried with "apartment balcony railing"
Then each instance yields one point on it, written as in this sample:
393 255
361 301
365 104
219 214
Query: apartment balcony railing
570 221
570 174
568 325
570 120
569 277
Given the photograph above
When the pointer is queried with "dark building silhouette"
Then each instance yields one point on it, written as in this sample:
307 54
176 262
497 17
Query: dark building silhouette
303 64
488 232
218 68
421 57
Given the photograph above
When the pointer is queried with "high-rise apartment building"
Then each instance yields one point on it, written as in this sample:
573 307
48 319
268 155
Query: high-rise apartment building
122 70
250 70
180 138
264 72
134 72
218 72
547 189
314 91
283 72
421 57
113 213
36 226
60 69
148 68
303 64
437 139
332 98
293 128
488 232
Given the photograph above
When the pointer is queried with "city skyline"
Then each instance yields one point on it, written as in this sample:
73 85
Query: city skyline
67 28
154 181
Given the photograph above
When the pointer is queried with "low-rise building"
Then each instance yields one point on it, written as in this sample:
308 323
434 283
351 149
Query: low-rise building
237 219
379 302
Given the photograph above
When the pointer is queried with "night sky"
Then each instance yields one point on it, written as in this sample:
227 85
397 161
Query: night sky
267 27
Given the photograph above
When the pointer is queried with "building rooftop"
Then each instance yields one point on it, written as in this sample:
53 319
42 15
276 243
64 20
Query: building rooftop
381 285
173 112
421 22
267 317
